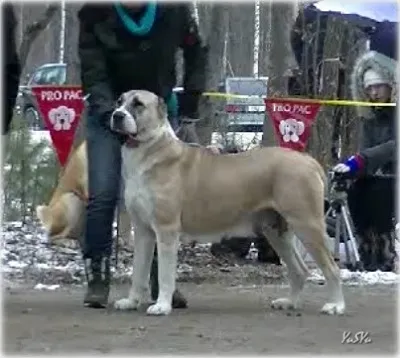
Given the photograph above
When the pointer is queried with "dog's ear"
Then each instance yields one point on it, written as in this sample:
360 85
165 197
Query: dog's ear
161 108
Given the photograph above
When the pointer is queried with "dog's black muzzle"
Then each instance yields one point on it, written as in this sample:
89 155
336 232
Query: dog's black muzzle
117 121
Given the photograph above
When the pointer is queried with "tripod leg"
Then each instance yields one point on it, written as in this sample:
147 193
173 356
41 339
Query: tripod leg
349 263
328 212
336 254
352 238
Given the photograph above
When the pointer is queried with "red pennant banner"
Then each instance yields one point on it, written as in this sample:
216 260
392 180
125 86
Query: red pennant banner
61 108
292 120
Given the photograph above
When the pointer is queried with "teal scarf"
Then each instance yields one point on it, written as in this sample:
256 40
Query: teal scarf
145 23
172 105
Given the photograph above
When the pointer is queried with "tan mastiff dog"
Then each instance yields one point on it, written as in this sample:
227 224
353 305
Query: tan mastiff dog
64 216
173 189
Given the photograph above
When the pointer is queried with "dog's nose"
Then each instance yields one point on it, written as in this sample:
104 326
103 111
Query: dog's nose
118 116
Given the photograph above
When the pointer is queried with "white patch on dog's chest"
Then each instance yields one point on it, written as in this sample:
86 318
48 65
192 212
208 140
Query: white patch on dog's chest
138 198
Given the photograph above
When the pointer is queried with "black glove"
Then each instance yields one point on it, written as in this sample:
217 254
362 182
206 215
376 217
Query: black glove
187 130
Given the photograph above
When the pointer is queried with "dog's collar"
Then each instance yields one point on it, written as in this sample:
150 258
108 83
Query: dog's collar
132 142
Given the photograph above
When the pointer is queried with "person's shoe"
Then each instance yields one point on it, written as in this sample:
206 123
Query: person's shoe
98 280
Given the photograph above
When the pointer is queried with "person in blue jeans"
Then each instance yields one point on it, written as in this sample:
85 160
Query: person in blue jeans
124 46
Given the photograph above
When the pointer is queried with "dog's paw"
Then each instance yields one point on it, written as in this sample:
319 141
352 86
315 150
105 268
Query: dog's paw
283 304
126 304
333 309
159 309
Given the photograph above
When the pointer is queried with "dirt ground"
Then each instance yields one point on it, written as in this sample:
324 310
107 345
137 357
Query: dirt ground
220 319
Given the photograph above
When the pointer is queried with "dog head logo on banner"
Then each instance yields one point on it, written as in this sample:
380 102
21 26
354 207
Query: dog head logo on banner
292 120
61 109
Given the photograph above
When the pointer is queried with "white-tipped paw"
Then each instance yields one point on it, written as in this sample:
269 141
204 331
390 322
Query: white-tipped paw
283 304
333 309
126 304
159 309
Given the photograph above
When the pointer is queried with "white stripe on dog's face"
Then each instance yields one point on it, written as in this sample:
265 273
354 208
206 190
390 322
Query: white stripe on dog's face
122 121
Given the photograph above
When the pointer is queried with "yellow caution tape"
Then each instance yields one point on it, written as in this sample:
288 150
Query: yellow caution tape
329 102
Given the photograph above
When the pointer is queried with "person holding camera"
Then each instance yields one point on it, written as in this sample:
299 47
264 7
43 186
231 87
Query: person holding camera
371 199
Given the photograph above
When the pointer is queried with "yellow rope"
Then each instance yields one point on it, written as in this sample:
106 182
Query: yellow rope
329 102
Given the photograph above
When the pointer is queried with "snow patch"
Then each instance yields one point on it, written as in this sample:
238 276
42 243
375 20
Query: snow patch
43 287
358 278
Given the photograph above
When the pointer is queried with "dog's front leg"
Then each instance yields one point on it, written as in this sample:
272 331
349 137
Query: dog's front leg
144 252
167 247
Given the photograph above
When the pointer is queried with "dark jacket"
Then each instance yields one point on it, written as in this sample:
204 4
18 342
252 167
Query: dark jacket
11 66
378 142
378 129
113 60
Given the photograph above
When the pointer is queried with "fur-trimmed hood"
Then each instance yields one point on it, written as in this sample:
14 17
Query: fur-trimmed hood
380 63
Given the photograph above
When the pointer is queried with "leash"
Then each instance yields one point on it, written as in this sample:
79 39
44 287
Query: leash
80 196
117 243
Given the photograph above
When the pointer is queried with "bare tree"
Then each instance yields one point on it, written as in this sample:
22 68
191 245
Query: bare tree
327 77
275 54
72 61
34 29
241 38
213 22
71 43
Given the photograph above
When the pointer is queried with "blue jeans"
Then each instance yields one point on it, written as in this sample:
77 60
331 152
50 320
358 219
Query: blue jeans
104 171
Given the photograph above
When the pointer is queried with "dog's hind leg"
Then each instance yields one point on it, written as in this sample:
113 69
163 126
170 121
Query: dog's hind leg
312 234
144 252
282 239
167 248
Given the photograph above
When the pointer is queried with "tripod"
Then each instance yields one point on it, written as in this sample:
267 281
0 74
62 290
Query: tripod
343 225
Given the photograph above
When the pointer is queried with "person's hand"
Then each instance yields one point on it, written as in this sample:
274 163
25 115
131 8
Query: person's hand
353 165
187 130
341 168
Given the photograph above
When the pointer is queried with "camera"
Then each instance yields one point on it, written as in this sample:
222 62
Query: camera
340 181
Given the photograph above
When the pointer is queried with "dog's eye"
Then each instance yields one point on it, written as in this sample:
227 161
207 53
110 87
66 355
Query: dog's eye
119 101
137 103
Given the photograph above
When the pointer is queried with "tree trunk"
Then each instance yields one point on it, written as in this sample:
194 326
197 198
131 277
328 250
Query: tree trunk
320 143
213 19
33 30
72 61
241 39
275 55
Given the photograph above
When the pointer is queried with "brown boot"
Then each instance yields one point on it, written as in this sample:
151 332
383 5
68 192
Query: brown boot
98 281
